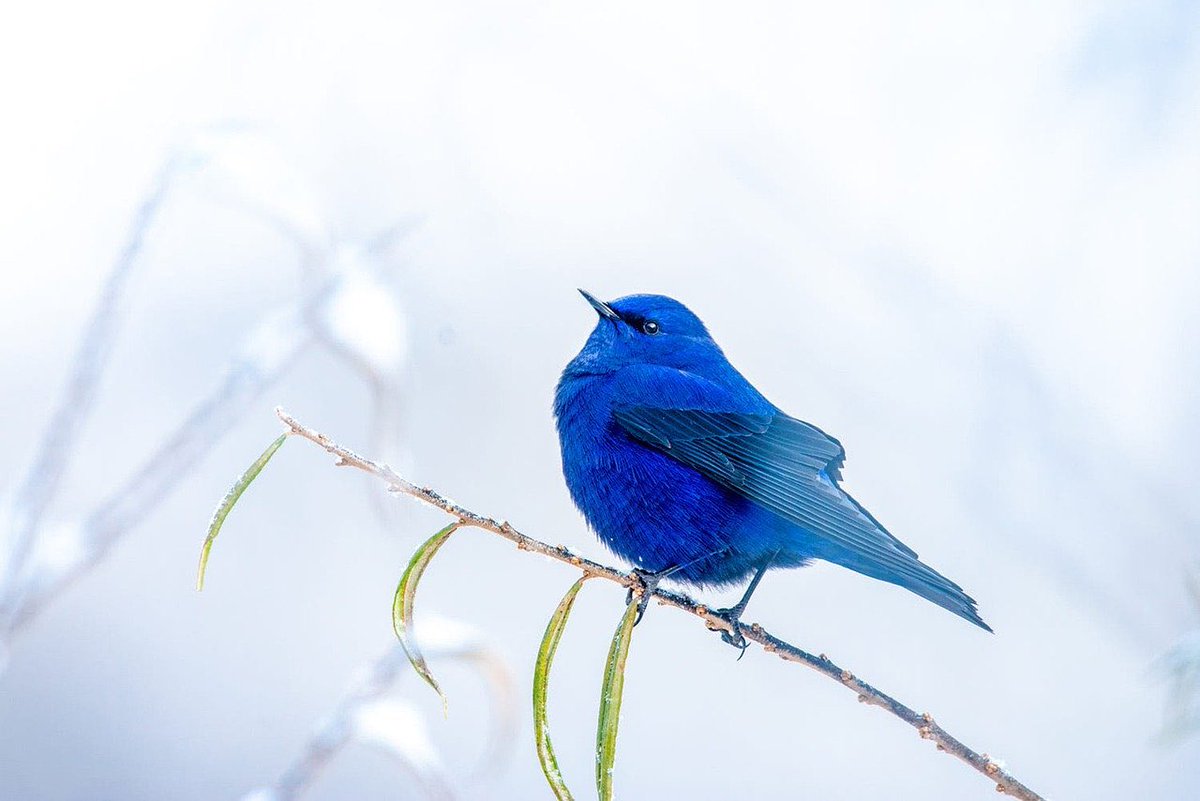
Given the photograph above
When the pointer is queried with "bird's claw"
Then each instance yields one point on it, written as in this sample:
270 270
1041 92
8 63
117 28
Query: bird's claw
733 635
649 581
737 641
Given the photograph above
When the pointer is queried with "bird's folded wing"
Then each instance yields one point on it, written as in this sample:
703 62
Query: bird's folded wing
783 464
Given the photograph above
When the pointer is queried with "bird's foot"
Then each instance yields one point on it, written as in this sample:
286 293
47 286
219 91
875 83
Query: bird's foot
733 615
733 635
649 581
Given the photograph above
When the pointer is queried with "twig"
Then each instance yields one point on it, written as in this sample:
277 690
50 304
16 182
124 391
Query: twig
378 680
338 730
40 484
271 348
925 725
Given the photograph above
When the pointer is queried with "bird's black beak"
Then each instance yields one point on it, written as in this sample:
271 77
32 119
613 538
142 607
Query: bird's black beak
602 308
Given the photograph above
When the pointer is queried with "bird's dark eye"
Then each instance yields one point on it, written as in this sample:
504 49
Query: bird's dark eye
650 327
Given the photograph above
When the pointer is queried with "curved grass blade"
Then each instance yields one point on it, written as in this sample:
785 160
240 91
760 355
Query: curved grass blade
402 605
227 503
610 702
541 678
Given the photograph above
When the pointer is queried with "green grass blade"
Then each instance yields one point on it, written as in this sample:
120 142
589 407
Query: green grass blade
610 702
227 504
402 604
541 679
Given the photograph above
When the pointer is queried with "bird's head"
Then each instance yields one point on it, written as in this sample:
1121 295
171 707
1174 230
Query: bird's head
646 329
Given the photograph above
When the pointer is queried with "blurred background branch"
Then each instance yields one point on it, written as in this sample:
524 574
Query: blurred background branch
369 713
346 308
1180 668
26 505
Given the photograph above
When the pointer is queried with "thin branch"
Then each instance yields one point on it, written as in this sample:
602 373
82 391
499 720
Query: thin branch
337 731
40 484
925 725
272 347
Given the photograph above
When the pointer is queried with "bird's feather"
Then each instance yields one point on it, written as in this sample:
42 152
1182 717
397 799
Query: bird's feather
678 461
790 468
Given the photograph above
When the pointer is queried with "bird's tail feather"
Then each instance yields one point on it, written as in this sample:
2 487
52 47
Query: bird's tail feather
920 579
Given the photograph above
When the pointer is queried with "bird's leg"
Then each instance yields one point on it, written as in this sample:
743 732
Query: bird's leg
734 613
650 581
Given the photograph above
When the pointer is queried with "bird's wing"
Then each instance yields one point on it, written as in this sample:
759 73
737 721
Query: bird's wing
784 464
732 435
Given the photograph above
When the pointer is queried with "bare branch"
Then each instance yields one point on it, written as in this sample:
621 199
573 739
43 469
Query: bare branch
271 347
337 731
925 725
442 639
40 484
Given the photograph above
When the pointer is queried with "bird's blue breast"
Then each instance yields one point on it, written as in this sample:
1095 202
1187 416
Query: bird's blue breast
648 508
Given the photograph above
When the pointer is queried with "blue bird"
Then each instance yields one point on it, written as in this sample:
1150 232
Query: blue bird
684 469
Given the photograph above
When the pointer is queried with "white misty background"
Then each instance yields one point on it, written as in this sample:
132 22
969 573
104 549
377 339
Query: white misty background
961 239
